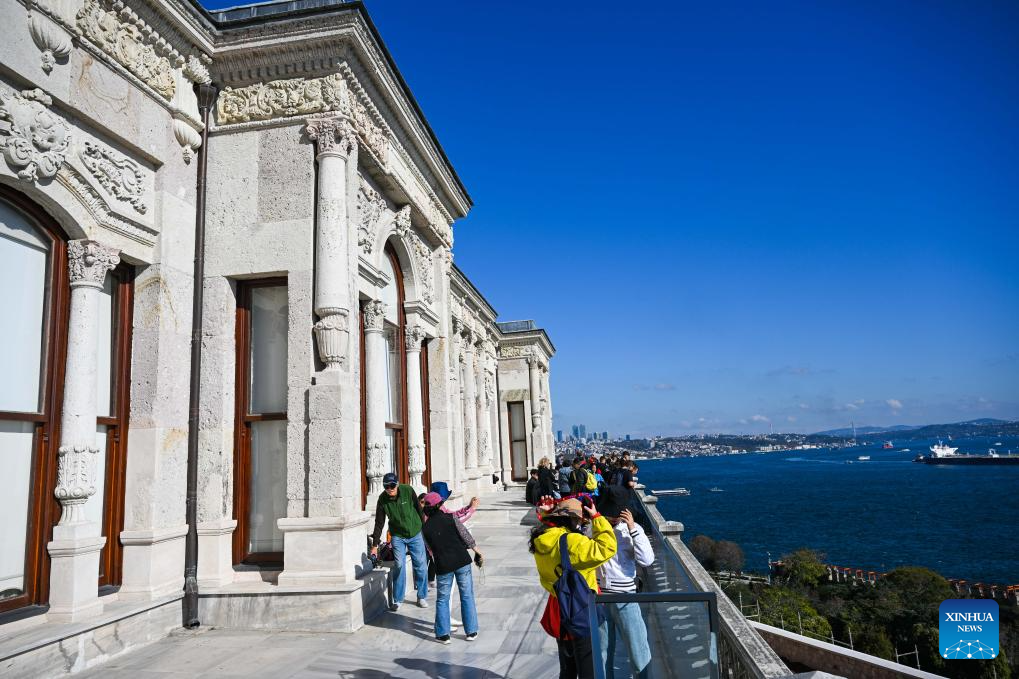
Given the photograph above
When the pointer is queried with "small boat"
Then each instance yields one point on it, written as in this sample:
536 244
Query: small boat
716 489
673 491
863 458
904 450
998 443
887 446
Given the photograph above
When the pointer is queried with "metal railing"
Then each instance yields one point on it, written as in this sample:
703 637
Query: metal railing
742 652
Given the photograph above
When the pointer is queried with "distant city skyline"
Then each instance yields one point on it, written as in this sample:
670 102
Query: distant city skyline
791 215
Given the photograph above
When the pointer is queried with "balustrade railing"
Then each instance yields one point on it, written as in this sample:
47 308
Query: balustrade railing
741 652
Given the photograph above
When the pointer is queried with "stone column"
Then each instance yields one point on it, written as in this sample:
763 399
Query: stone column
375 380
415 334
337 147
324 530
470 389
456 402
546 412
74 551
484 416
537 441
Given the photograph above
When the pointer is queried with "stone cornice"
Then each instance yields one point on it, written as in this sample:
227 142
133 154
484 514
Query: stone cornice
517 344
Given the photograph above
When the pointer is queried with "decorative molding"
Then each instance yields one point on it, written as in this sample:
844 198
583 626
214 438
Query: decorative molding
196 71
370 206
426 267
132 43
376 452
515 352
291 97
52 40
120 176
401 221
88 261
332 135
76 480
374 315
416 461
414 335
34 140
331 337
100 210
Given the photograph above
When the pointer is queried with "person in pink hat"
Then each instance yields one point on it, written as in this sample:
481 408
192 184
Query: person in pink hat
448 541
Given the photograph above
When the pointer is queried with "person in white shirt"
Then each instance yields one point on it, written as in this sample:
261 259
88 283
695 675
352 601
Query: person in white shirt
618 575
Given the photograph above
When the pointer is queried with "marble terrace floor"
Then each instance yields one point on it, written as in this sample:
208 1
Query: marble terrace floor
511 642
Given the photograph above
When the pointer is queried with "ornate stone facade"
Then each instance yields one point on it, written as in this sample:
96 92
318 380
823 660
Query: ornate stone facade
34 139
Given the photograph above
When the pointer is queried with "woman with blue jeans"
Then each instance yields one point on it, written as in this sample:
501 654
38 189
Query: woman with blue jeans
448 541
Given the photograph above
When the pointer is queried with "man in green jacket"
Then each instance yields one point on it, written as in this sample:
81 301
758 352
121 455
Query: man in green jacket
399 504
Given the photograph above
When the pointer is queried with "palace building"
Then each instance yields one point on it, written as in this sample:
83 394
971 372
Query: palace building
274 154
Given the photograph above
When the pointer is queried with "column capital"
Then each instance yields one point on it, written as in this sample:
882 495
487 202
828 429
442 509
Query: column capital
333 135
88 261
414 335
374 315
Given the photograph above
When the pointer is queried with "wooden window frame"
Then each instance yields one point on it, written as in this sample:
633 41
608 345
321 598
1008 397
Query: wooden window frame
242 419
426 416
399 429
512 439
43 508
111 558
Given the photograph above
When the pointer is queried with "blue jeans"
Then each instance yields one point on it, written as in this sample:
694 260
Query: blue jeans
419 559
626 621
443 587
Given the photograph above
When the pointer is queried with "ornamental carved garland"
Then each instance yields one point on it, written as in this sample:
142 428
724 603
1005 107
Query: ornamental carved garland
370 205
120 176
300 97
34 141
100 21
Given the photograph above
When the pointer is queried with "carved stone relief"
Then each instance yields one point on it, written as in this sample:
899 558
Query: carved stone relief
370 206
34 140
129 41
120 176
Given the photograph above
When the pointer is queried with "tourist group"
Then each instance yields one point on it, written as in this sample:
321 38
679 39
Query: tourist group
586 542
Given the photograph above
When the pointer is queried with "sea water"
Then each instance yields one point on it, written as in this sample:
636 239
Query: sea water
961 521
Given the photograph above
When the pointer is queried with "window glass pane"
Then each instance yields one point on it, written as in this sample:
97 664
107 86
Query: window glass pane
16 444
388 295
516 413
24 258
268 485
269 350
391 447
519 452
104 351
394 376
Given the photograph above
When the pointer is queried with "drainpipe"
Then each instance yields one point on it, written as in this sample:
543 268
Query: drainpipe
206 98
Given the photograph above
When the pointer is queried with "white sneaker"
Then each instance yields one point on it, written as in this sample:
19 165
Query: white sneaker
472 637
394 607
453 622
422 603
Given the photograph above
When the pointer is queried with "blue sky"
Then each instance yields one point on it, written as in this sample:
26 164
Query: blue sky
732 216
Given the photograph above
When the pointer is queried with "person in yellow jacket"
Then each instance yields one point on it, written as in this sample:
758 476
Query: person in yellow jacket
576 659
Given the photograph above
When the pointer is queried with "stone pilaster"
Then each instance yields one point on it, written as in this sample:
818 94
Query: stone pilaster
324 536
537 440
76 543
456 400
415 422
470 391
483 415
336 157
375 380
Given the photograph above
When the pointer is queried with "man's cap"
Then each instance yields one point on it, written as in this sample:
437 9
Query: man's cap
441 488
432 499
613 500
390 479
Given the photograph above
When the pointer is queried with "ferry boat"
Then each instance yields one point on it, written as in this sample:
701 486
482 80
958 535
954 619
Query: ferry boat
942 454
887 446
863 458
716 489
673 491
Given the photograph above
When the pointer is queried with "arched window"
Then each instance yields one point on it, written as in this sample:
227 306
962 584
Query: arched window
396 364
33 262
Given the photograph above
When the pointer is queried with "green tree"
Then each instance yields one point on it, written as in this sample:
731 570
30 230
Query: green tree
788 608
703 549
873 640
803 568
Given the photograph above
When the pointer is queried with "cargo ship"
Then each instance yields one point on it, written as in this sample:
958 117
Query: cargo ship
942 454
